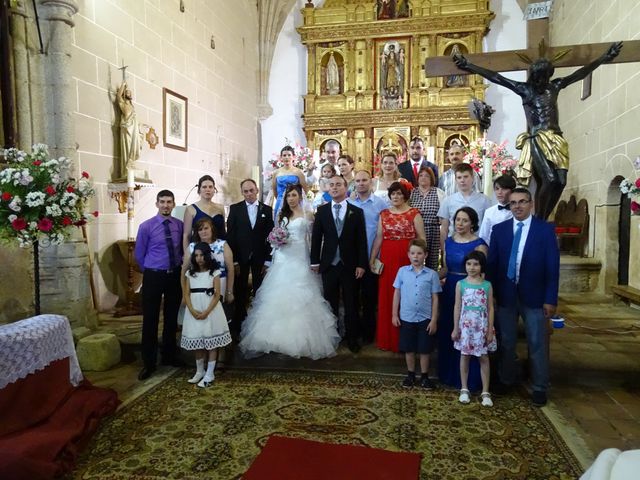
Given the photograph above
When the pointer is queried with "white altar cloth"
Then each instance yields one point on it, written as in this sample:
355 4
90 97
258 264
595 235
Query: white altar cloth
30 345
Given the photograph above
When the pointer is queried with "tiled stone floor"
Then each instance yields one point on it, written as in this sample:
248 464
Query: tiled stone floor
595 371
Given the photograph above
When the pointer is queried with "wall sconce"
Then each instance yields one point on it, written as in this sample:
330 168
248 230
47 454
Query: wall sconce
182 6
213 43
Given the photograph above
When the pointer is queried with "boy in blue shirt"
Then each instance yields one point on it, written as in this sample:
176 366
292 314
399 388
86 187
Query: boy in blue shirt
415 311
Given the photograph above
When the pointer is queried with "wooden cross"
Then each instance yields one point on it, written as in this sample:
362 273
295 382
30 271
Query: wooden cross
509 61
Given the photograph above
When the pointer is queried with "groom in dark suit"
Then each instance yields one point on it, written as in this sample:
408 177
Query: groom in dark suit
339 253
524 268
248 225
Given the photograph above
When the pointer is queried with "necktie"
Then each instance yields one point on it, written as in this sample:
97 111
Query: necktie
504 207
415 170
337 208
169 241
511 270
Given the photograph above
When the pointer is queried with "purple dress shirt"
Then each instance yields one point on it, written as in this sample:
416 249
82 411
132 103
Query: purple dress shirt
151 248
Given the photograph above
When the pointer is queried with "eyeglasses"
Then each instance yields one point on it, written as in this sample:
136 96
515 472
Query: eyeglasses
519 203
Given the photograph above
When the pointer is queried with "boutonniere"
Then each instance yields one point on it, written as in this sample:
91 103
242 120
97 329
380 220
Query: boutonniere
262 216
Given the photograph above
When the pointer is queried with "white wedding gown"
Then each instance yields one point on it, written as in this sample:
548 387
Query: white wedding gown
289 314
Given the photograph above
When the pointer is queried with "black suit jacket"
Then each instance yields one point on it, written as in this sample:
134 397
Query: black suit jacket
406 171
352 242
249 243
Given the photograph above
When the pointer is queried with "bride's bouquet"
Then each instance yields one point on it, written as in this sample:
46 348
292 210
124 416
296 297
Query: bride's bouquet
278 236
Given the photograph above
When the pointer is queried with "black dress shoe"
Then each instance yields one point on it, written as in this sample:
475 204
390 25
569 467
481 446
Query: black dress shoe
354 347
145 373
539 399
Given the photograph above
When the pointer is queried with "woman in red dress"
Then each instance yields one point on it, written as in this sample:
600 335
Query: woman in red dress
397 226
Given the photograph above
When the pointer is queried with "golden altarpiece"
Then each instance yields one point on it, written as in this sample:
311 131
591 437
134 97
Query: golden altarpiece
366 86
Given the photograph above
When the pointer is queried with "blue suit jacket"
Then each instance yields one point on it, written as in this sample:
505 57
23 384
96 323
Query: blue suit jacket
539 268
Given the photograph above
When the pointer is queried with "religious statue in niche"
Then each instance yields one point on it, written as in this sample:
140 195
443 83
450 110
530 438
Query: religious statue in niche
455 80
403 9
392 60
130 135
386 9
545 152
333 76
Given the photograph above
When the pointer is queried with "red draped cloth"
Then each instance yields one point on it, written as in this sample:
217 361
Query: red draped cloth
45 422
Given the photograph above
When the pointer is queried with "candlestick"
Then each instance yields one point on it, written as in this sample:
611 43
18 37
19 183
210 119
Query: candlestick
131 185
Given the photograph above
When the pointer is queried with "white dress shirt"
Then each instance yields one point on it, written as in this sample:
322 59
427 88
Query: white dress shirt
493 216
523 241
252 210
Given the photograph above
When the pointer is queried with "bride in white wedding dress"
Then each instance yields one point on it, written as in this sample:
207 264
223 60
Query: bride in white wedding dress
289 314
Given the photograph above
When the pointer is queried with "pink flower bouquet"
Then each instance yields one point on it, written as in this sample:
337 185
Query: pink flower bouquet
278 236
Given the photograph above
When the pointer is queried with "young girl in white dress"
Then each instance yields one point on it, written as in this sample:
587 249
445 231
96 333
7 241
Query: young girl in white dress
205 324
473 332
289 314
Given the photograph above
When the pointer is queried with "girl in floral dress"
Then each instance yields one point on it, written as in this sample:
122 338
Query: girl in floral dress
473 332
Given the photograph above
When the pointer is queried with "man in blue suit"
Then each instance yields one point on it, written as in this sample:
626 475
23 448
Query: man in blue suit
524 267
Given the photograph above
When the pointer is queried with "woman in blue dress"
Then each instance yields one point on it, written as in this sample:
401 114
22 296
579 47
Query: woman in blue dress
205 207
456 247
285 176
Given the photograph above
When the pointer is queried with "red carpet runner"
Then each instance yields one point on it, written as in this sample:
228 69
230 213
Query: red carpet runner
285 458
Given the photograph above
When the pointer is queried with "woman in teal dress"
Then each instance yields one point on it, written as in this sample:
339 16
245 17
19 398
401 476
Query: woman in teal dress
285 176
456 247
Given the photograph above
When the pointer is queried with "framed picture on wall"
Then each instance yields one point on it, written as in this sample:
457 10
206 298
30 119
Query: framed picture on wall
174 119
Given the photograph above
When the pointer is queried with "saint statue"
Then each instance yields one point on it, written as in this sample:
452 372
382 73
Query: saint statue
545 152
333 76
392 75
455 80
130 136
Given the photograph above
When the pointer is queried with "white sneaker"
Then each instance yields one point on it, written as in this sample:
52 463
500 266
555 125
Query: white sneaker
197 377
486 399
464 396
206 382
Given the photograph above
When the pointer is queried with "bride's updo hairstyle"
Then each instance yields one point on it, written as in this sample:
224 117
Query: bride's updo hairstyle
285 211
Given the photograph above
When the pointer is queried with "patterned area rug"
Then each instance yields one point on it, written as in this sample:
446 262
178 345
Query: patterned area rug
181 432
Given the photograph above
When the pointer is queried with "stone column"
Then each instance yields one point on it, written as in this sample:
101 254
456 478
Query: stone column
64 270
57 67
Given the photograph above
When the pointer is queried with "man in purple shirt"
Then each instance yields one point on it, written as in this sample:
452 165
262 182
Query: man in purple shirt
159 256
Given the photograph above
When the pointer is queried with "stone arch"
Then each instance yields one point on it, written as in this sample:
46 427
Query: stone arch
271 17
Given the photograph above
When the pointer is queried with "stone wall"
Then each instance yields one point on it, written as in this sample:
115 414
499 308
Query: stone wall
602 130
163 47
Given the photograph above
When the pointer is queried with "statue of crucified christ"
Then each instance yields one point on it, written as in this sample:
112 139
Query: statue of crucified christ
545 152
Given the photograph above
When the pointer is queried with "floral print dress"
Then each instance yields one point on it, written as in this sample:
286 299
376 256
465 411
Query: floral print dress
474 319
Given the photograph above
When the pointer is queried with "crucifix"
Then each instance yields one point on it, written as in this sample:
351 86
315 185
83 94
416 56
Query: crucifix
545 154
124 72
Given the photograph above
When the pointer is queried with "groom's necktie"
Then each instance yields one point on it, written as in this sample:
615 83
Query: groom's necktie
338 221
511 270
339 224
